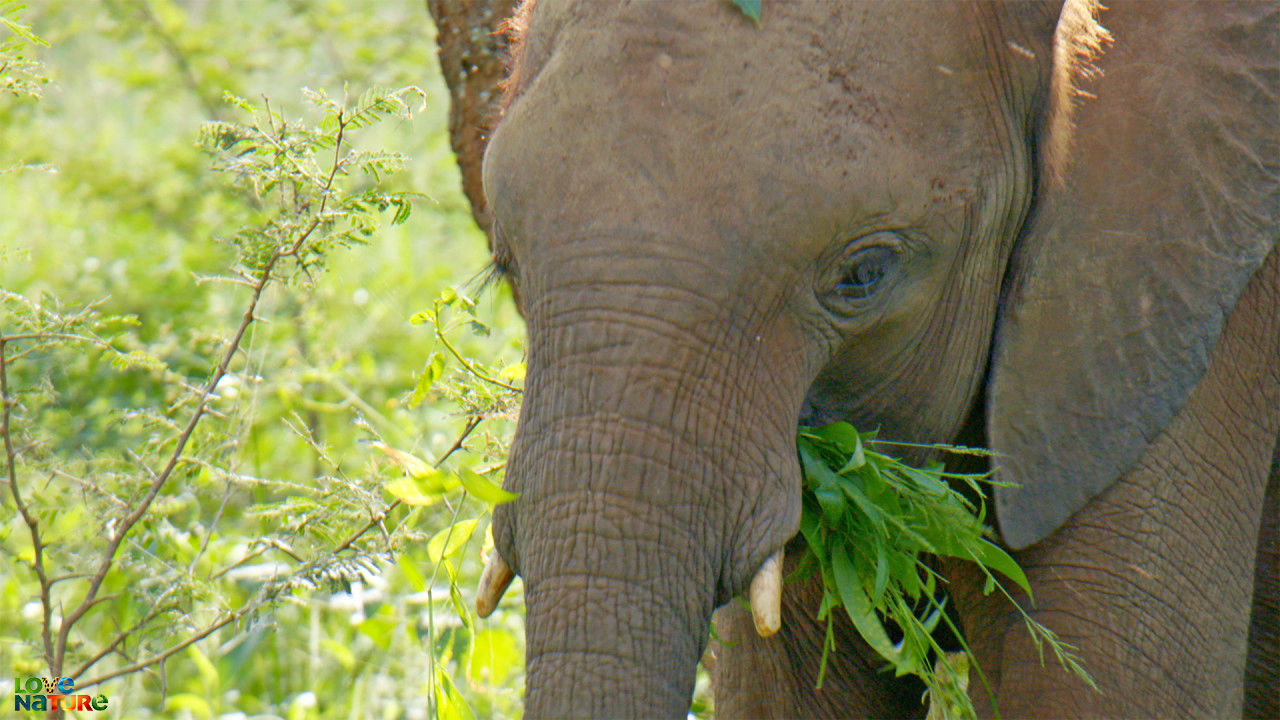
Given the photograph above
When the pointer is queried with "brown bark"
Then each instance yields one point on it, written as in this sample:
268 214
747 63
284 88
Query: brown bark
472 51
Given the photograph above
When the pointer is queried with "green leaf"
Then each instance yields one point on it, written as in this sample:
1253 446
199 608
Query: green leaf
412 575
825 486
379 629
844 437
832 502
455 596
468 303
430 375
494 658
750 8
423 490
413 465
857 457
926 480
869 509
995 558
24 31
437 482
810 524
881 581
208 671
484 489
188 703
857 605
512 373
447 542
339 652
450 704
870 526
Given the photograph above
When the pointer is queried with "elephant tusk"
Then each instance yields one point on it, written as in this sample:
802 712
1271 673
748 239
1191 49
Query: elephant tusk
766 596
494 580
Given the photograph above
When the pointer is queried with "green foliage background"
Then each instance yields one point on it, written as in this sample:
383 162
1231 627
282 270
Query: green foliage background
108 200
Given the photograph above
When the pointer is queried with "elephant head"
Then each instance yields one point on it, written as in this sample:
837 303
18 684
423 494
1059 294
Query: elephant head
904 215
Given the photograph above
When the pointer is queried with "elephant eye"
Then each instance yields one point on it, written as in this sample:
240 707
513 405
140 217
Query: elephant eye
866 271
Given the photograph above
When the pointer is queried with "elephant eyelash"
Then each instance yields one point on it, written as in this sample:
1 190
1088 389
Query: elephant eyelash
500 267
489 276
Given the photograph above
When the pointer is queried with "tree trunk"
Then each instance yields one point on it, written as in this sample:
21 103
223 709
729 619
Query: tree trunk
472 48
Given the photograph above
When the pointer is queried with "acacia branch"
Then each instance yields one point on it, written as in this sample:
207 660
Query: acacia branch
32 523
161 657
52 655
262 279
52 336
156 610
471 368
472 424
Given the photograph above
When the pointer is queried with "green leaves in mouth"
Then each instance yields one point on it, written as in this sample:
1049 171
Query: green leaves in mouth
872 523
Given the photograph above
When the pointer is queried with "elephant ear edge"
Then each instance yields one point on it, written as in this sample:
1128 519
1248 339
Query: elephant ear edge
1141 239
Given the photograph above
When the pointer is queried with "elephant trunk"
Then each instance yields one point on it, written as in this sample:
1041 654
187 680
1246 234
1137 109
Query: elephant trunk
604 642
651 491
619 585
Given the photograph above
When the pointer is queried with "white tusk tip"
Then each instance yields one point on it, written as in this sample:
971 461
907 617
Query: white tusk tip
766 596
494 580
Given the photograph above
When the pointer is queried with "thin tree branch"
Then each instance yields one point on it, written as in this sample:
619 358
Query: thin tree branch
157 609
161 657
264 277
465 362
32 523
472 424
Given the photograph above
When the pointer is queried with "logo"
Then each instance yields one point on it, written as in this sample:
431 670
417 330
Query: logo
46 694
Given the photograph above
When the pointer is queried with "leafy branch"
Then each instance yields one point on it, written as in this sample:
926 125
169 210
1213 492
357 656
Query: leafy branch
437 317
20 76
318 212
870 521
264 276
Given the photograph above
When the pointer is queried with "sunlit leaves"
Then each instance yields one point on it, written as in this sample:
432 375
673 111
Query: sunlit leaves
448 541
415 491
484 489
450 705
482 390
119 248
319 179
495 656
412 465
427 379
20 75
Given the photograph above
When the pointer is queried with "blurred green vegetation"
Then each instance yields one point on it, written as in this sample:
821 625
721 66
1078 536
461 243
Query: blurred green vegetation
114 226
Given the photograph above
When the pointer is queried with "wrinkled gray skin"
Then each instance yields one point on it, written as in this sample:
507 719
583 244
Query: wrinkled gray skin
717 230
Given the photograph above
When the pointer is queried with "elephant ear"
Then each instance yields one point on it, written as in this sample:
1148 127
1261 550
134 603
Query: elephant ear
1158 199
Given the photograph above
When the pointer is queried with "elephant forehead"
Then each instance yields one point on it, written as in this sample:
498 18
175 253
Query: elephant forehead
704 55
671 108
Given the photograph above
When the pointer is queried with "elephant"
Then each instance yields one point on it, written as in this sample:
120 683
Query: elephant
1041 227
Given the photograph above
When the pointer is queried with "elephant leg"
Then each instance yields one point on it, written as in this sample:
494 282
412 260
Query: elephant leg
774 677
1262 669
1154 579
